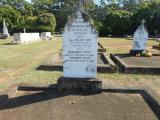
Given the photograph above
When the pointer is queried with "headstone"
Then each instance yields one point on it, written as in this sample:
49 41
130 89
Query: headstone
5 30
140 39
46 35
80 48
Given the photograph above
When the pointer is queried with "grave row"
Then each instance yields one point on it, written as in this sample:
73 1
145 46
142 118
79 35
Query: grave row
82 56
20 38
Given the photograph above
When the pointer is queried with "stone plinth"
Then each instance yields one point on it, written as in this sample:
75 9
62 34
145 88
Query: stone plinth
82 84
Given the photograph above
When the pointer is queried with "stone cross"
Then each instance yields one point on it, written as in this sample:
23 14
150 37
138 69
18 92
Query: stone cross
143 22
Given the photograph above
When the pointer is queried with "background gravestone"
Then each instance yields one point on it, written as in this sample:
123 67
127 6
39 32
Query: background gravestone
140 39
5 30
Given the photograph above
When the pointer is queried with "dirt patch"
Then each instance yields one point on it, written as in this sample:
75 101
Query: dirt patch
67 106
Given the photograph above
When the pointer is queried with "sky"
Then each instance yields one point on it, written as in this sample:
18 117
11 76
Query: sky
94 0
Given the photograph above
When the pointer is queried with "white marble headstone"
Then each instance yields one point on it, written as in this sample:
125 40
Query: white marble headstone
80 49
5 30
140 38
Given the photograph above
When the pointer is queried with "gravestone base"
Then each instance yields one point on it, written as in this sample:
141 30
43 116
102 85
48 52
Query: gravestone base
134 52
79 84
3 37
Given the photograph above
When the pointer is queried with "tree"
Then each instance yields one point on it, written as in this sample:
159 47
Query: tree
118 23
12 17
47 19
64 8
22 6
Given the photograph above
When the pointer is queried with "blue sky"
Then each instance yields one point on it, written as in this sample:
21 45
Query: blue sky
94 0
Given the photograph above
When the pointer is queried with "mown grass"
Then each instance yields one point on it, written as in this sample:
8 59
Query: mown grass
18 63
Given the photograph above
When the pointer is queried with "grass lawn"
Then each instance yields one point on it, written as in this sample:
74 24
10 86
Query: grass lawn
18 63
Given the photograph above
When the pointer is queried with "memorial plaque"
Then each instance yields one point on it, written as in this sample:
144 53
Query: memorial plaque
140 38
80 48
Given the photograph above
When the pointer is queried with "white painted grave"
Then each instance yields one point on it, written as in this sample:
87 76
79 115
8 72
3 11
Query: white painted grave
140 37
25 37
80 48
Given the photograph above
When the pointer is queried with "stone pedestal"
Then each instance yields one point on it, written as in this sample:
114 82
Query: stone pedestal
79 84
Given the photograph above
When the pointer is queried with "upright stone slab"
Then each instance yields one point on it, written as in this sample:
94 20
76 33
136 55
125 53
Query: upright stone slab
140 39
80 48
5 30
46 35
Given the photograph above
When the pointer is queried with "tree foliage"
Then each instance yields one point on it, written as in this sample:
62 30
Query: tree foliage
111 17
12 17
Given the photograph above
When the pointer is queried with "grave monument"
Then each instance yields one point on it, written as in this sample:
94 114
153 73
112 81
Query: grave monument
140 39
5 30
80 48
20 38
139 60
46 36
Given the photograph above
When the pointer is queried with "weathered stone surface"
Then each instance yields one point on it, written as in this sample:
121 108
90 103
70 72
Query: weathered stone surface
84 84
5 30
140 39
46 35
80 48
137 65
25 37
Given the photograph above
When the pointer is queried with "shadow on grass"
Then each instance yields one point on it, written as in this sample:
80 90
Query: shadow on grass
50 68
8 44
46 93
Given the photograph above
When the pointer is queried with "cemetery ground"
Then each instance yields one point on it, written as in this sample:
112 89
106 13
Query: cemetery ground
18 65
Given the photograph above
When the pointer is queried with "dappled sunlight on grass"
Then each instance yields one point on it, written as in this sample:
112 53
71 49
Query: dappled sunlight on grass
18 63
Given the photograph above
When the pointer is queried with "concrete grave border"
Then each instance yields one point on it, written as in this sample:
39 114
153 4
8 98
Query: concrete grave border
108 67
147 94
101 48
129 69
